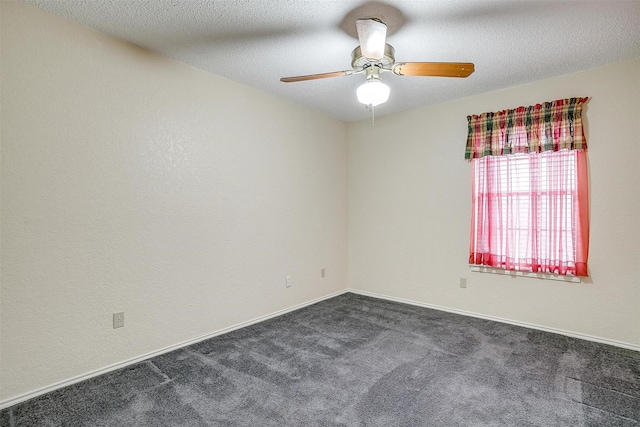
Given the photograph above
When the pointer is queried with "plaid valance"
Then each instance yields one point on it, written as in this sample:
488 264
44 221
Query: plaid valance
549 126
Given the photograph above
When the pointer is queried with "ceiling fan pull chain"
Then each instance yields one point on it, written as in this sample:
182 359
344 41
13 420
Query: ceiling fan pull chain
373 114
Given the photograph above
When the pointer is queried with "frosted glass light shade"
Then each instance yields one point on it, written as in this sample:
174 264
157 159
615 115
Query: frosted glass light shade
373 92
372 35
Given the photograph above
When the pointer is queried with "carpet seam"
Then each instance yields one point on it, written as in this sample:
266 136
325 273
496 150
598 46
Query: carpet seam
605 388
154 367
608 412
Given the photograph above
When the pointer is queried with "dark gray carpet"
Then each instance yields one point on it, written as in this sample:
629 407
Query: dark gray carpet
359 361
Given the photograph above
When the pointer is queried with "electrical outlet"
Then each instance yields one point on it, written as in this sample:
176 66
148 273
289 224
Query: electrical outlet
118 320
463 282
322 273
289 281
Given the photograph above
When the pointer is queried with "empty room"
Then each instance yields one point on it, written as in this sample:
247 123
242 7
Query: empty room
319 213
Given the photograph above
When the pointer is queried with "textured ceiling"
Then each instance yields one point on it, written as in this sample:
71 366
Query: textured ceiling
257 42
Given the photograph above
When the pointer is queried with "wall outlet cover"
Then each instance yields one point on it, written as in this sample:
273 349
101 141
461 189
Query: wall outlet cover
118 320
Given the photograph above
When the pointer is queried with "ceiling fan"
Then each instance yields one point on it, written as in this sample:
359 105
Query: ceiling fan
374 56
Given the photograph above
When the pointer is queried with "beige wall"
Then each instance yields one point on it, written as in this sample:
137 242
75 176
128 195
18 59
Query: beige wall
134 183
410 197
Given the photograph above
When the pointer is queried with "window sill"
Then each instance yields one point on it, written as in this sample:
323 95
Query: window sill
543 276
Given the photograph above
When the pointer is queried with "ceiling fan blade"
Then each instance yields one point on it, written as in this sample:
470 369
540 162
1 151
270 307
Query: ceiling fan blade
316 76
373 36
436 69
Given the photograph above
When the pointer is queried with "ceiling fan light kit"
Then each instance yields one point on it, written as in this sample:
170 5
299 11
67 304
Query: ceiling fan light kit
373 92
374 56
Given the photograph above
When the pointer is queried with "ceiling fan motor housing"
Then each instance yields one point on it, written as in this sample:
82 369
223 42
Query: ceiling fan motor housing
359 62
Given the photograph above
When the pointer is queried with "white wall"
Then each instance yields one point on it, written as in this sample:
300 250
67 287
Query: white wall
134 183
410 201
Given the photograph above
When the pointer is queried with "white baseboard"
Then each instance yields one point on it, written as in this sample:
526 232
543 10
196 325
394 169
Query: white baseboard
35 393
502 320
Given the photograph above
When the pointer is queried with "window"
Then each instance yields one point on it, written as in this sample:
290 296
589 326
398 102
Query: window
529 189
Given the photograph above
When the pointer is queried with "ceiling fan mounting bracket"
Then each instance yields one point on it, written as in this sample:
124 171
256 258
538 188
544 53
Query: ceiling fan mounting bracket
372 72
